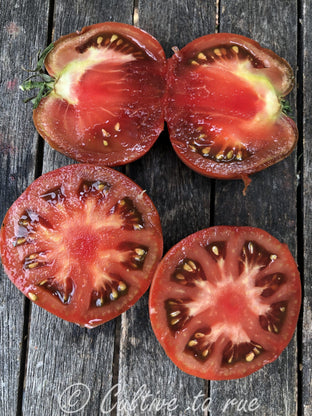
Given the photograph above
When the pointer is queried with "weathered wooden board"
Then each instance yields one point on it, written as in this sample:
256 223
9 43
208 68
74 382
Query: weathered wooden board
119 368
270 204
18 143
305 79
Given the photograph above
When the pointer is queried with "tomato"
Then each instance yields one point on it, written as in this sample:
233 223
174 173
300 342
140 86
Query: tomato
225 301
82 242
224 111
105 104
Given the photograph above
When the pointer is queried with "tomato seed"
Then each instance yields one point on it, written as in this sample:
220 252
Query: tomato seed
250 356
122 286
113 38
20 240
202 56
217 52
187 267
32 296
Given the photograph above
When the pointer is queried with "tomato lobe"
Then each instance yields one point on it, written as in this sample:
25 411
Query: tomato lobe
225 301
82 242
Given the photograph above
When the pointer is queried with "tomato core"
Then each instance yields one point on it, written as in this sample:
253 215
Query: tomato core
231 304
82 245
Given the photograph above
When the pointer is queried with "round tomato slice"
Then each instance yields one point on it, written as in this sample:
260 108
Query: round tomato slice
82 242
225 301
105 106
224 112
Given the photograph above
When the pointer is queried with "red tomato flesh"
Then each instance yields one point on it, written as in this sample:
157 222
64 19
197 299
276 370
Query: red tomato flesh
221 96
106 106
225 301
224 109
82 242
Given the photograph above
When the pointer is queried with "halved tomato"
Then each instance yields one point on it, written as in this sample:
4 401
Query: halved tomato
224 112
105 104
82 242
225 301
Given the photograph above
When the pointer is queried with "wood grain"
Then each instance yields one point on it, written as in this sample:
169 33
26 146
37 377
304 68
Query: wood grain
111 369
270 204
306 85
18 143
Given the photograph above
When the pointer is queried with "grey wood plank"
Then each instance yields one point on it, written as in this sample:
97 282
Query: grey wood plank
306 375
18 142
183 200
63 359
270 204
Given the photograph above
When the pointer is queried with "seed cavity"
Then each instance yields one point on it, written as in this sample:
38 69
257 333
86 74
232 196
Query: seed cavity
239 352
188 273
131 216
270 283
109 292
96 188
54 196
217 250
62 290
253 255
205 146
274 318
199 344
177 313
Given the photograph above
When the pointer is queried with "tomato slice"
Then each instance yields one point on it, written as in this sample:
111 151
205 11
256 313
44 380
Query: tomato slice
106 104
224 109
225 301
82 242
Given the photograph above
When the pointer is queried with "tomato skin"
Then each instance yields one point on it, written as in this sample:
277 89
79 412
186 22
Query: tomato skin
224 111
106 106
82 242
226 312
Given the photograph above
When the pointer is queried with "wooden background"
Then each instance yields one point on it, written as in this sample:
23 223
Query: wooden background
41 357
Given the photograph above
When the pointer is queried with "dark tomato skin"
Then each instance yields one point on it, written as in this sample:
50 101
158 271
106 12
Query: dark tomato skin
225 301
106 106
224 112
82 242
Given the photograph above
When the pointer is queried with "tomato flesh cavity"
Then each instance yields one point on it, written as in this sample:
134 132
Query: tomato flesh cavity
107 95
224 109
225 301
82 242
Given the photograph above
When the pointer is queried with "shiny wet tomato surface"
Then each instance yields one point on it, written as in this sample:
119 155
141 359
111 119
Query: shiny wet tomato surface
82 242
225 301
225 113
106 103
